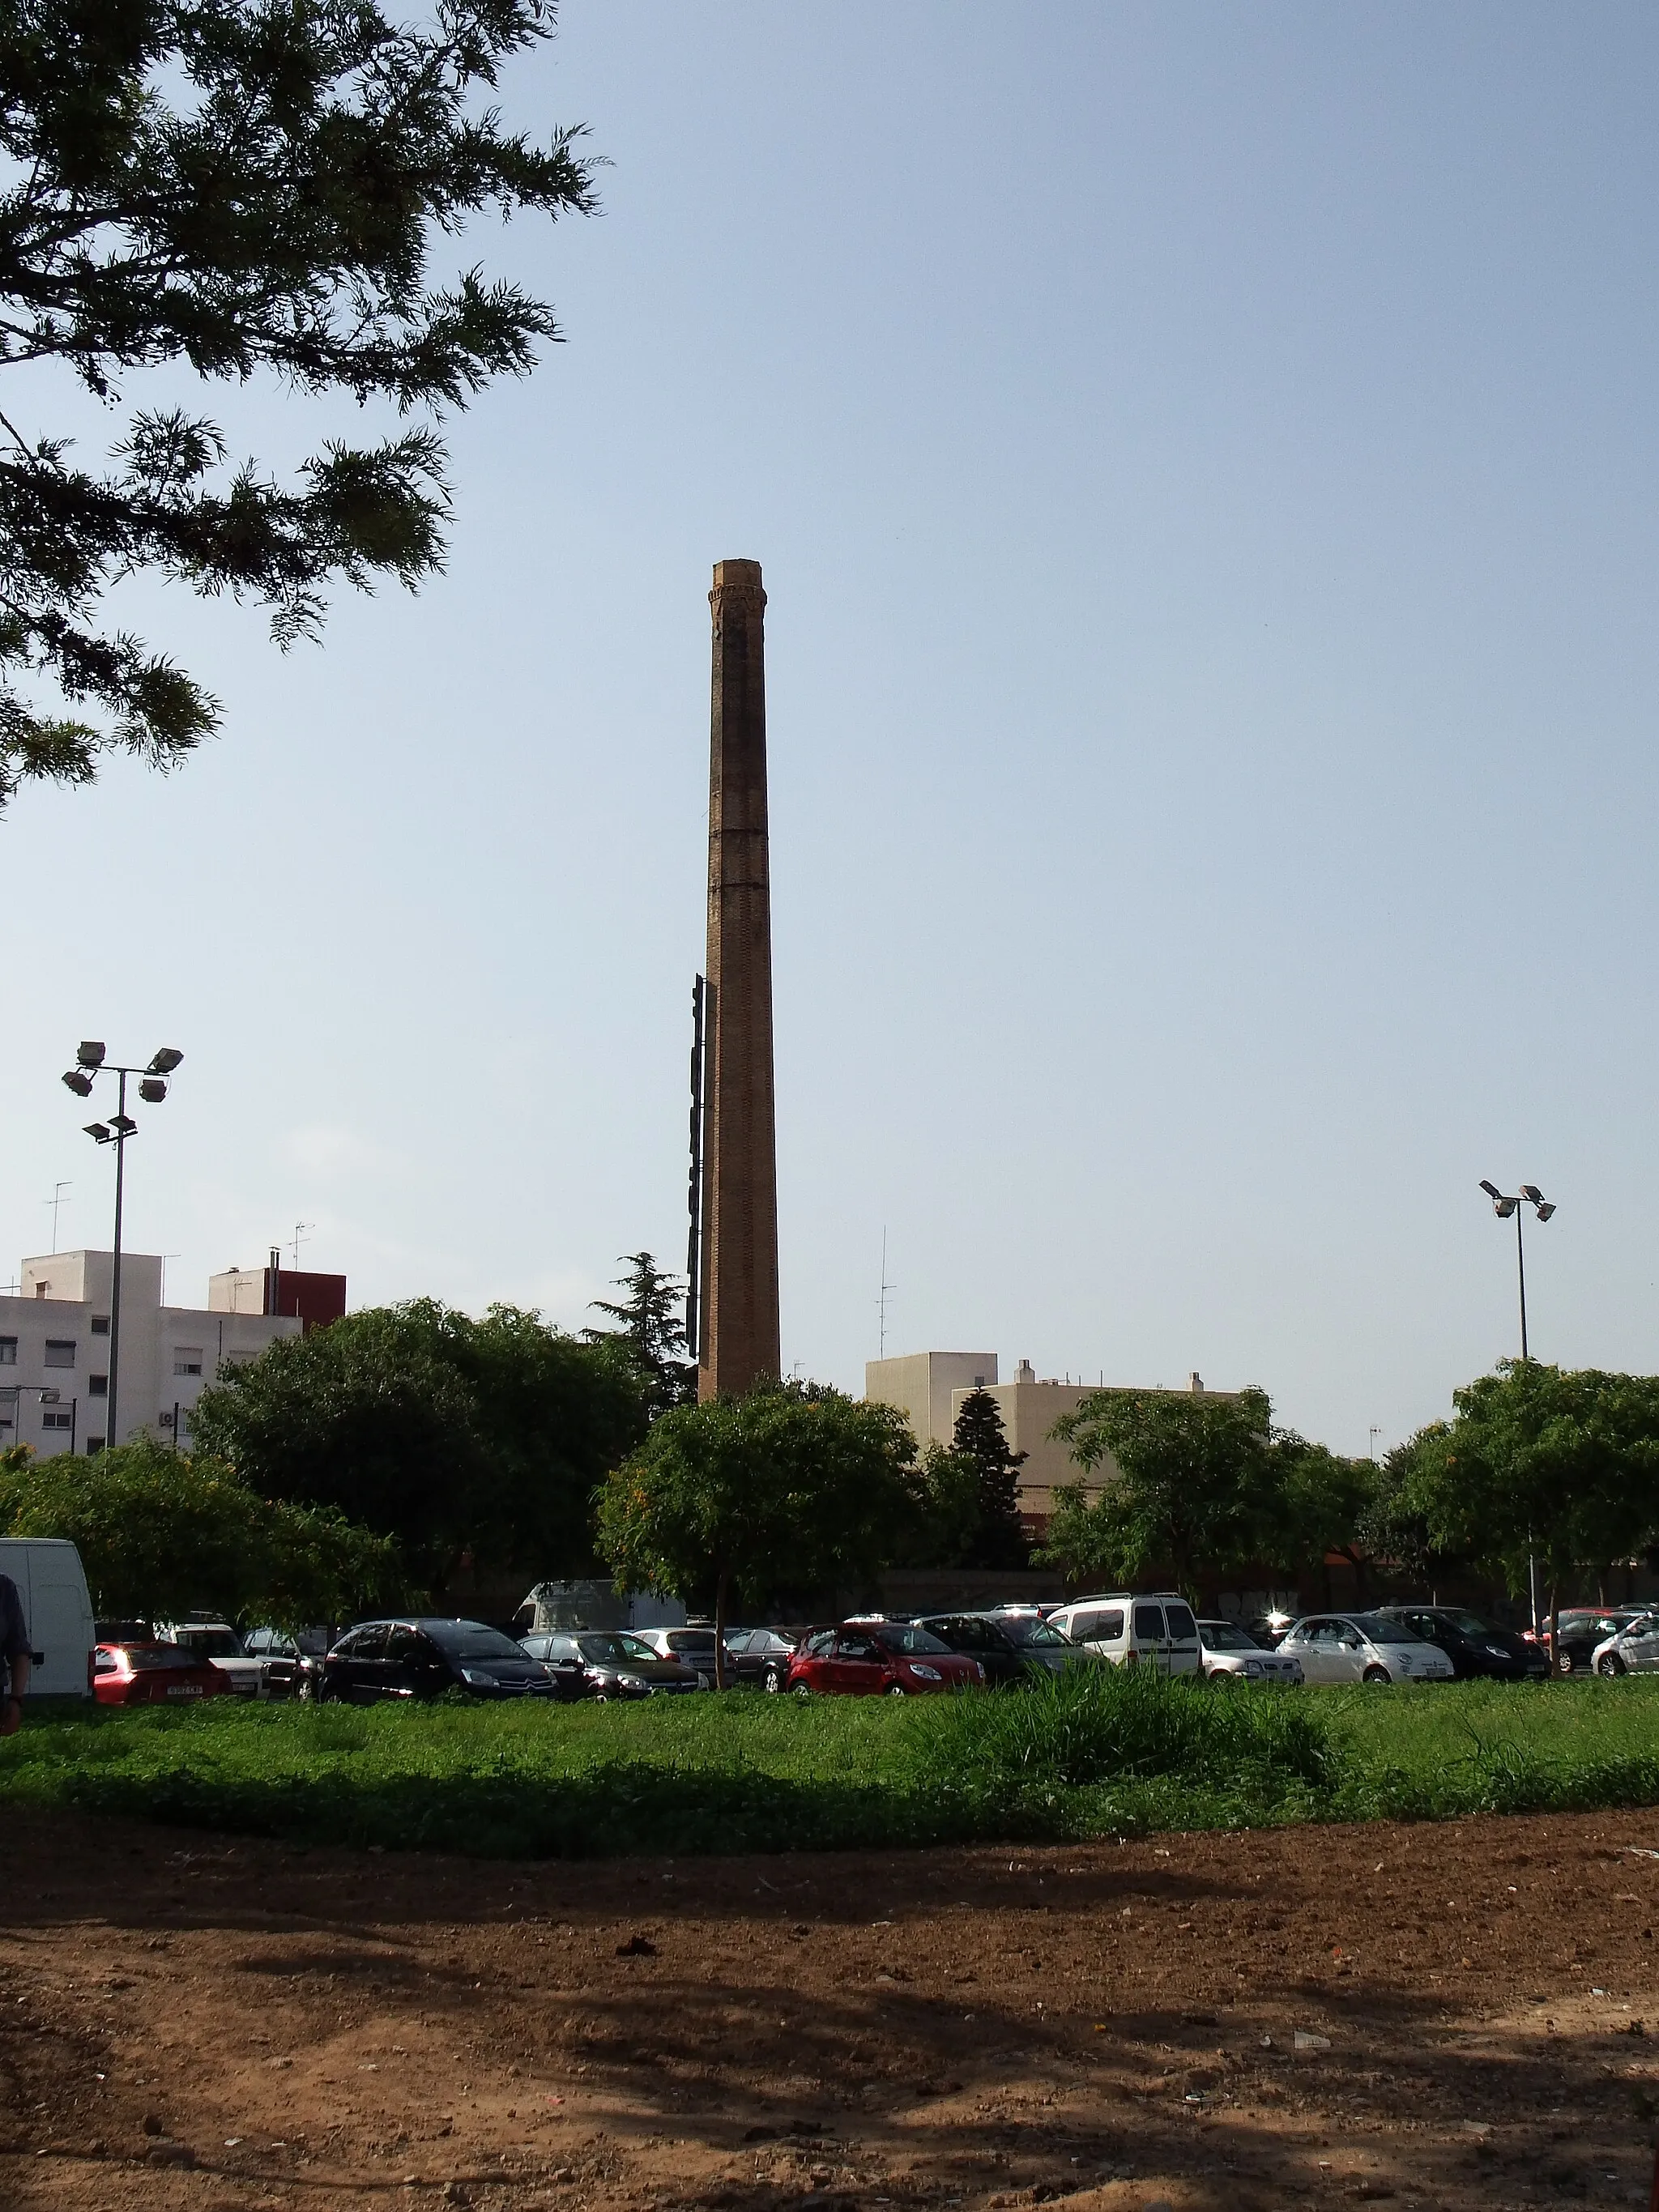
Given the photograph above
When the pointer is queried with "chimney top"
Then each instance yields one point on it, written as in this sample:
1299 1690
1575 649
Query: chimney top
736 572
1195 1383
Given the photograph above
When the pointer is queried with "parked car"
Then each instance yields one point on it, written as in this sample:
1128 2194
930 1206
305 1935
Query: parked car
422 1657
1039 1639
1632 1650
291 1666
692 1647
761 1657
1583 1630
154 1674
52 1585
1228 1652
611 1662
1157 1630
1362 1647
881 1658
1474 1646
218 1641
1005 1663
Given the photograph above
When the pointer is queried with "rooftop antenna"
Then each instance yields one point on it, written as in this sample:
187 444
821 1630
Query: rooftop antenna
54 1202
1375 1433
881 1303
300 1229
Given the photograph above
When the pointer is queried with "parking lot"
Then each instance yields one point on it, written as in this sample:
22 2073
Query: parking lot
1451 2015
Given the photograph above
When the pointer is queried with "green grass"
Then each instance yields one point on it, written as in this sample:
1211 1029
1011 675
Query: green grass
1098 1753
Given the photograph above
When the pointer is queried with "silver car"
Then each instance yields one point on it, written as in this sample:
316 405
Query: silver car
1633 1648
1225 1649
1362 1647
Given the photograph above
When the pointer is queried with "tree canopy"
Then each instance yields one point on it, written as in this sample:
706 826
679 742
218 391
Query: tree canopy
1538 1463
160 1533
792 1484
450 1434
998 1538
649 1324
237 188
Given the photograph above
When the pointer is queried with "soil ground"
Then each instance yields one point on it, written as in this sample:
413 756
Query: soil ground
206 2024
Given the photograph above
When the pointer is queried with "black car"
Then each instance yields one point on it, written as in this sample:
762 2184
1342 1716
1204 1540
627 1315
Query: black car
1474 1646
1006 1665
611 1663
758 1658
425 1656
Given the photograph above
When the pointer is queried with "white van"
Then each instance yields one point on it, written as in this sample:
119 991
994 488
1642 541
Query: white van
52 1585
1155 1628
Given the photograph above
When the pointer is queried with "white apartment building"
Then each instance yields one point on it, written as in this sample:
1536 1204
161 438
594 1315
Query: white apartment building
54 1352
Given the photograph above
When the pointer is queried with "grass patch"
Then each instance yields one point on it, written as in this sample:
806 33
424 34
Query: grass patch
1093 1754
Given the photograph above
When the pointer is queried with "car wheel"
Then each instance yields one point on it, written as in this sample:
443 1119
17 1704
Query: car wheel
1610 1664
306 1691
800 1690
1564 1664
896 1690
1377 1675
773 1681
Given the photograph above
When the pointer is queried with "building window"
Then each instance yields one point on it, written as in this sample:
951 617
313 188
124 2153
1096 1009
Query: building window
8 1351
186 1359
95 1444
43 1290
100 1324
7 1420
98 1386
60 1352
50 1419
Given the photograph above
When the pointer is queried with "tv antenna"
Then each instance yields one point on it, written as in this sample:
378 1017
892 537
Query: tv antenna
1375 1433
298 1238
54 1202
881 1303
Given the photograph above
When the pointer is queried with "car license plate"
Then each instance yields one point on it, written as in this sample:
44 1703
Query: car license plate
183 1689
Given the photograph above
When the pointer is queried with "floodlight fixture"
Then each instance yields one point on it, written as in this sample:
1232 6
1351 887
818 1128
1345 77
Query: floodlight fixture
1530 1191
152 1091
1503 1207
1545 1209
98 1129
165 1061
123 1125
1490 1189
90 1055
79 1082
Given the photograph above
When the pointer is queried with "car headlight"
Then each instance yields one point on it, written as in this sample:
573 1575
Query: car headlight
630 1682
1253 1668
477 1679
925 1673
1497 1651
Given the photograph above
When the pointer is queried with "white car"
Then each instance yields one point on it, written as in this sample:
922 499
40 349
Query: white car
1632 1650
1362 1647
1225 1649
218 1641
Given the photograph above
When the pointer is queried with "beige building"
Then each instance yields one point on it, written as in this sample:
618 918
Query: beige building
928 1388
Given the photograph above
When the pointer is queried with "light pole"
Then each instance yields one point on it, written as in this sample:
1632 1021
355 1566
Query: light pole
1530 1194
90 1062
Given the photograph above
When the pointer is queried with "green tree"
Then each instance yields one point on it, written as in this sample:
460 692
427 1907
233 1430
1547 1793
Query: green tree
449 1433
161 1532
979 1437
1549 1463
1316 1503
1194 1487
942 1527
239 188
650 1323
791 1483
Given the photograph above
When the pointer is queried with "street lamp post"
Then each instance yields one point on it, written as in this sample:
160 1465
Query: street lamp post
90 1061
1503 1206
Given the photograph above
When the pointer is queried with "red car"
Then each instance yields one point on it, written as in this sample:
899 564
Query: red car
154 1674
878 1658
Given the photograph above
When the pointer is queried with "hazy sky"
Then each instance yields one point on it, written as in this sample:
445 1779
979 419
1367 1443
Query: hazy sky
1203 460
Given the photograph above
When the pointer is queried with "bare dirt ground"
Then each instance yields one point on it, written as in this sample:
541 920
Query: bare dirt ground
204 2025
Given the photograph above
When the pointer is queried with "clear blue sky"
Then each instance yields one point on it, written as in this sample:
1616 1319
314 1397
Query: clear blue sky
1203 460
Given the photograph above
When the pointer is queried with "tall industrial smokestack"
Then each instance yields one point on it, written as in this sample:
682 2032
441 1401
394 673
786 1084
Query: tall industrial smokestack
737 1337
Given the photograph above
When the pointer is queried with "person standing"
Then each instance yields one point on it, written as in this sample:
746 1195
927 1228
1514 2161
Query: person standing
16 1659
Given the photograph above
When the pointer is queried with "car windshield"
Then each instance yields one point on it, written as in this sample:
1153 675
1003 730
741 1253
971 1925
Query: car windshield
210 1643
158 1658
1466 1623
1226 1636
470 1640
1022 1630
313 1642
1378 1629
969 1634
904 1636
